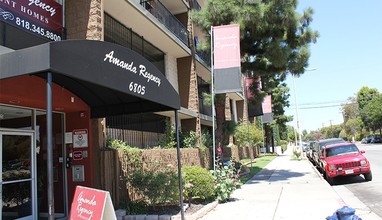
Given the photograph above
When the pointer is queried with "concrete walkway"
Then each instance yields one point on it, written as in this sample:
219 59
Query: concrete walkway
288 189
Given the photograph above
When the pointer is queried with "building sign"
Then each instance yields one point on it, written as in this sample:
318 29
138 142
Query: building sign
94 204
40 17
146 78
80 138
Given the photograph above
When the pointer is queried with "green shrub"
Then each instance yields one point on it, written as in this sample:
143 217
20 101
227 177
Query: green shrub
296 154
226 181
168 140
284 145
158 186
206 138
136 208
198 183
133 154
189 139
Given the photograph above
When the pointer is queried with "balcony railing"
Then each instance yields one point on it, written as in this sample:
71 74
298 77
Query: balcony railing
164 16
205 56
195 5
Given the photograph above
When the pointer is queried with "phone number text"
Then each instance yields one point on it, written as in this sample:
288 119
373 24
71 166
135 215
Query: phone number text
37 29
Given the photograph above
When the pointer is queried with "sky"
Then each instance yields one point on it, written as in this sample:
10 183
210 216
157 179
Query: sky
346 57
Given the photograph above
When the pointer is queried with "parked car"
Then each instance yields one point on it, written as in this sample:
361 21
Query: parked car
368 140
309 150
304 146
344 159
317 150
376 140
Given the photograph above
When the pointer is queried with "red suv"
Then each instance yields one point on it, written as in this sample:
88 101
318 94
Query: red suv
344 159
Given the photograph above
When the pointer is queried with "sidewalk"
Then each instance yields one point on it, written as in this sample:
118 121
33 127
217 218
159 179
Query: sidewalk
288 189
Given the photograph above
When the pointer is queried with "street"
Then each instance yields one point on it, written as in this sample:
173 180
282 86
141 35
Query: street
370 193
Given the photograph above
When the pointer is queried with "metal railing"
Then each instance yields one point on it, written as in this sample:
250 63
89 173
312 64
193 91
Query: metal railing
164 16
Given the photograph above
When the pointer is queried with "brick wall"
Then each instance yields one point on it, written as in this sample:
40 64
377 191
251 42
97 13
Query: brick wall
115 166
84 19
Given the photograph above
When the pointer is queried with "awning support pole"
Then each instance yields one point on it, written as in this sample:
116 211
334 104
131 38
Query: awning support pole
49 129
179 165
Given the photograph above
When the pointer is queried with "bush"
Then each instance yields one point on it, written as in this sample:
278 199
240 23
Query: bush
225 181
158 186
168 140
198 183
206 138
296 154
284 145
136 208
189 139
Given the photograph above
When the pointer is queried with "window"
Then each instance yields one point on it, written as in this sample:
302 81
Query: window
117 33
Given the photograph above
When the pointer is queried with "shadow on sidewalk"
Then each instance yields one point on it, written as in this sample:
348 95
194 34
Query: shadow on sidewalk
272 175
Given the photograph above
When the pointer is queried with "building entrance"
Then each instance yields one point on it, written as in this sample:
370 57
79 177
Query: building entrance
23 147
17 179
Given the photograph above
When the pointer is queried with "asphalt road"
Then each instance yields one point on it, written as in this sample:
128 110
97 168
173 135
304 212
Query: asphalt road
370 193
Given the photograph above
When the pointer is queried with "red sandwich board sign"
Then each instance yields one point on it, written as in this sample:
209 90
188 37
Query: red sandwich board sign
91 204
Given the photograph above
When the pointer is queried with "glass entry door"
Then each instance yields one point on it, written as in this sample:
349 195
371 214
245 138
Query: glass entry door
17 185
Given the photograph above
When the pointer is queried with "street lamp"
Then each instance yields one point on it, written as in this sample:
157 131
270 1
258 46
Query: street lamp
297 118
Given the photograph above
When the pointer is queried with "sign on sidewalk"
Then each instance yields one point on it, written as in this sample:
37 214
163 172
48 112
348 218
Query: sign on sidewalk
91 204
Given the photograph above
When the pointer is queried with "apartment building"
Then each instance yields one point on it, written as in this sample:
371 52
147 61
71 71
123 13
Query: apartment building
75 73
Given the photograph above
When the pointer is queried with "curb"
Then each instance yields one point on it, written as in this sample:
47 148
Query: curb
197 215
200 213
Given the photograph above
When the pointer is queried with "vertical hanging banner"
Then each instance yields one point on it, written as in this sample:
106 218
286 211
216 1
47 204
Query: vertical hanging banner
226 54
267 109
253 109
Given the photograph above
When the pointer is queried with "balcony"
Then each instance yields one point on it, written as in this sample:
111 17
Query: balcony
164 16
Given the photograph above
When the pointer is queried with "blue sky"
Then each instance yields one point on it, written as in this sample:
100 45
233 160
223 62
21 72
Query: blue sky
346 57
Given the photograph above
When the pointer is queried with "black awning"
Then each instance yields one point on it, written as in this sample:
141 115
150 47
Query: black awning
110 78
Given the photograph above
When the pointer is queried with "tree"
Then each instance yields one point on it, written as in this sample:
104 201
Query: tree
247 134
353 126
274 38
352 120
370 105
350 109
313 136
332 131
280 95
364 95
372 113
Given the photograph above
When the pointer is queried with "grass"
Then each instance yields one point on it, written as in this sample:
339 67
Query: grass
255 167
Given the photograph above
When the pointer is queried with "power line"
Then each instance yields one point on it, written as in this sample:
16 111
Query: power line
322 105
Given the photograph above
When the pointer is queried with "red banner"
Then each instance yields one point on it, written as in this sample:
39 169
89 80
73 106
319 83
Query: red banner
249 81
